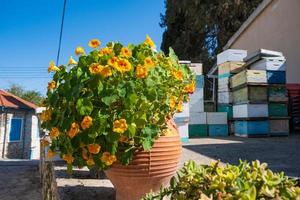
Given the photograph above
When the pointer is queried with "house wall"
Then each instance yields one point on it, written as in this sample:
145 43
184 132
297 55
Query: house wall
276 28
18 149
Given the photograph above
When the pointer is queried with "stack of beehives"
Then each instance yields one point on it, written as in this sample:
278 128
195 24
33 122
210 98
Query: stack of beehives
229 63
255 90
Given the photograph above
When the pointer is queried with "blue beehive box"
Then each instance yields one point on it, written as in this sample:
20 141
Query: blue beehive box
251 128
218 130
276 77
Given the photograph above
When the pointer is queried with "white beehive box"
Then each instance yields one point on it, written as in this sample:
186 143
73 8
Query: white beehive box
183 129
248 76
250 110
184 113
225 97
231 55
217 118
196 68
270 63
223 84
197 101
198 118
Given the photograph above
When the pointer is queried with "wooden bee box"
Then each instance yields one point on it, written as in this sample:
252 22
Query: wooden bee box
253 94
230 67
218 130
277 93
279 127
250 111
278 110
270 63
251 128
248 76
225 97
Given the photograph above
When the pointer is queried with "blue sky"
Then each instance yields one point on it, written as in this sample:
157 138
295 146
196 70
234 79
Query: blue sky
29 32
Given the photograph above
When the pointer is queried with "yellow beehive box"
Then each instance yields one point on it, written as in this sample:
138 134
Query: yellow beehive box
230 67
248 77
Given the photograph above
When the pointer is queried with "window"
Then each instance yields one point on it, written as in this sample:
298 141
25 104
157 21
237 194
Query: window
15 129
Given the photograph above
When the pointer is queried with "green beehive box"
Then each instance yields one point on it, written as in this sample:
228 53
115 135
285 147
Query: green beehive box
277 93
250 94
226 108
278 110
198 130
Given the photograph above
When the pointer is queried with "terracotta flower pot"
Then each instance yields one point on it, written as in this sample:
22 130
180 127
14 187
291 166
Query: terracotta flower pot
148 170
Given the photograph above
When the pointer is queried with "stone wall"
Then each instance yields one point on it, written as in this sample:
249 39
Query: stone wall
18 149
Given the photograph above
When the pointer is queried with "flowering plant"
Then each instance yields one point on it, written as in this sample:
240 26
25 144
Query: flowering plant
114 101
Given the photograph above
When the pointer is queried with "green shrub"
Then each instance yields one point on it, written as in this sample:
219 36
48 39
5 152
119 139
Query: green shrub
245 181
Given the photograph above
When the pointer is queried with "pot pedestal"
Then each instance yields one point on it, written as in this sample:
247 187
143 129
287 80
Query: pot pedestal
148 171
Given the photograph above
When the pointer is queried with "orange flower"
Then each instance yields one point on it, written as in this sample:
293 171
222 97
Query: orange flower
50 154
45 115
120 126
106 71
94 148
51 85
178 74
141 72
44 143
108 159
72 61
90 162
123 139
123 66
94 43
172 102
86 122
52 67
149 41
74 130
179 107
113 62
148 62
84 154
95 68
190 88
54 133
125 52
79 51
105 51
68 158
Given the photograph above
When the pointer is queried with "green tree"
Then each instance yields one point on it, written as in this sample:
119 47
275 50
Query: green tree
198 29
28 95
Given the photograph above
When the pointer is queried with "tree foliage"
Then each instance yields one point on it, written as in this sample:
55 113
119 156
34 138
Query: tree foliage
28 95
198 29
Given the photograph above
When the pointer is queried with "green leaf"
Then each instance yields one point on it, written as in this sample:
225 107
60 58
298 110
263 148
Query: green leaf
121 92
132 130
147 144
84 106
108 100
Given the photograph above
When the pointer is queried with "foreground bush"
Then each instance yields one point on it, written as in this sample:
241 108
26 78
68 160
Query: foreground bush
245 181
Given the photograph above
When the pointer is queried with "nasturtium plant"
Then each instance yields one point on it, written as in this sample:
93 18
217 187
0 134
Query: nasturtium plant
228 182
112 102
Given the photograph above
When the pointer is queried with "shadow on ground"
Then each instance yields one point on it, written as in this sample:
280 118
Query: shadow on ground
281 153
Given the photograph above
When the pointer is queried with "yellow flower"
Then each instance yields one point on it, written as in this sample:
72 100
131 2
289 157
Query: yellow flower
123 66
113 62
148 62
178 74
94 43
120 126
86 122
106 71
123 139
149 41
68 158
50 154
54 133
85 154
108 159
94 148
74 130
105 51
79 51
46 115
125 52
95 68
72 61
90 162
172 102
52 67
51 85
190 88
179 107
141 72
